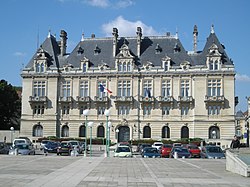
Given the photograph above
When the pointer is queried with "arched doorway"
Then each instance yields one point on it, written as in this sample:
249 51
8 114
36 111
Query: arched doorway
124 134
165 132
184 132
214 132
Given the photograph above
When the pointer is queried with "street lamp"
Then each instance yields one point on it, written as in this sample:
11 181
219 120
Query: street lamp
11 135
90 124
109 125
117 135
106 113
86 113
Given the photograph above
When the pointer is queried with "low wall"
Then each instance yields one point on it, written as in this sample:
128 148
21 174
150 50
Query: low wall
8 135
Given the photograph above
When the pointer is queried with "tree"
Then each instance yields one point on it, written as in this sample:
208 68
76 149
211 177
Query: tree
10 106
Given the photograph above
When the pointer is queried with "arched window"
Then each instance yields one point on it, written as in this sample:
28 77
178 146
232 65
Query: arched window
82 131
214 132
65 131
129 66
146 132
37 68
100 131
165 133
42 67
38 131
184 132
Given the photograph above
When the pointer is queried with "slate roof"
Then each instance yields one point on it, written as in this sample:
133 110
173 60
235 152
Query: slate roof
165 44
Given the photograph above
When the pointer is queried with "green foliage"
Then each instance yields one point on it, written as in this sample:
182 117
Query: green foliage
10 106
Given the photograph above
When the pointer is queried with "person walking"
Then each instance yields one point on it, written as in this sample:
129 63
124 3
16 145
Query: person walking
235 143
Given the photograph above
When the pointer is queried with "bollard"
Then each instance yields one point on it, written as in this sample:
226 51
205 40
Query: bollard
16 151
175 155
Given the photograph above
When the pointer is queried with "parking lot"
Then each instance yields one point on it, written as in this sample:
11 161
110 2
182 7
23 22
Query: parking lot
53 170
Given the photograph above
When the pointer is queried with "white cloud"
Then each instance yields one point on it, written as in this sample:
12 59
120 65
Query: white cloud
98 3
123 3
19 54
127 28
242 78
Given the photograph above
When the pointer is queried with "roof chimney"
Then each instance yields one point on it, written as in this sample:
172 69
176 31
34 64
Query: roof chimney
139 35
63 44
115 34
195 35
92 35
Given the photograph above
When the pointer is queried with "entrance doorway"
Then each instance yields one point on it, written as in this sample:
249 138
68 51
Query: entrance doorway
124 134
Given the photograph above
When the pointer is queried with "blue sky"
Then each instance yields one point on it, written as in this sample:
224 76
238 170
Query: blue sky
25 25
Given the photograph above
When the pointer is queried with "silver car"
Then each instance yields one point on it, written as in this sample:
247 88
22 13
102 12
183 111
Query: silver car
22 149
212 152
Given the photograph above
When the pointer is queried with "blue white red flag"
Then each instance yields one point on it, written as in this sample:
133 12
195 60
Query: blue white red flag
104 89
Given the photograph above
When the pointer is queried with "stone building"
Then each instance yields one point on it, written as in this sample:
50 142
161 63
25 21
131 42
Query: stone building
159 90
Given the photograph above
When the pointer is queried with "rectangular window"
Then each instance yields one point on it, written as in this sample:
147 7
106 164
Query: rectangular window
84 89
82 108
214 87
214 110
100 110
165 110
39 88
66 89
166 88
65 110
38 110
99 92
147 88
147 110
184 110
123 110
124 88
185 88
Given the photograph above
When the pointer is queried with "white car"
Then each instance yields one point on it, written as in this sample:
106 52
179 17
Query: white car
123 151
157 145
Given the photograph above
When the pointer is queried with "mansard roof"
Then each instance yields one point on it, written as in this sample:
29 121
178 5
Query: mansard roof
153 49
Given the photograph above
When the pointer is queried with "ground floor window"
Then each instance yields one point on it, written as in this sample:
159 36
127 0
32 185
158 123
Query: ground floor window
214 132
65 131
184 132
147 132
38 131
165 132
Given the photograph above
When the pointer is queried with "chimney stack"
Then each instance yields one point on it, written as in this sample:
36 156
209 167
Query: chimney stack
92 35
63 44
195 35
139 35
115 34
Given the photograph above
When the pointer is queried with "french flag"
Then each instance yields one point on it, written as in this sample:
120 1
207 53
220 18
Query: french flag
103 89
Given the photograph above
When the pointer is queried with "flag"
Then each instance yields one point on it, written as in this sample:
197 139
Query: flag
103 89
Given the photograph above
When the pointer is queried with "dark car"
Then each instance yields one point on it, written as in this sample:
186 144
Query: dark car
150 152
142 146
64 148
181 152
193 149
165 150
51 147
4 148
212 152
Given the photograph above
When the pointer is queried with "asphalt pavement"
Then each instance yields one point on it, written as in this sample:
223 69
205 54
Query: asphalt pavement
98 171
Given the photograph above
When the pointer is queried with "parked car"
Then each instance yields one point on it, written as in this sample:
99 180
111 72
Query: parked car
76 145
21 141
51 147
150 152
64 148
177 144
181 152
4 148
157 145
123 151
212 151
22 149
165 150
194 150
143 146
124 144
43 143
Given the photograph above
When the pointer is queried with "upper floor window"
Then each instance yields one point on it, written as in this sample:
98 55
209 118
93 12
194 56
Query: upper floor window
65 110
82 108
40 67
39 88
123 110
184 110
124 88
84 89
214 110
147 88
185 88
165 110
214 87
213 65
100 110
100 92
38 110
84 67
66 89
166 88
124 66
147 110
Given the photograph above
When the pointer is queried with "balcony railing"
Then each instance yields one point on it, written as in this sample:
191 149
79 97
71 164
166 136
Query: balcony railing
85 99
101 99
37 99
146 99
166 99
214 98
124 99
68 99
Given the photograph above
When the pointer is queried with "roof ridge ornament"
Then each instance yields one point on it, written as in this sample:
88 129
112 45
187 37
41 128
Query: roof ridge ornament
212 29
82 39
49 34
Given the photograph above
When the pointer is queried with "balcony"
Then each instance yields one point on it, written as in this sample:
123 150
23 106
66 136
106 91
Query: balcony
98 99
144 99
166 100
182 100
82 99
68 99
218 100
38 99
124 99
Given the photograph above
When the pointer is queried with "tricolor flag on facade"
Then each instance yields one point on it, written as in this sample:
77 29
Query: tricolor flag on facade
103 89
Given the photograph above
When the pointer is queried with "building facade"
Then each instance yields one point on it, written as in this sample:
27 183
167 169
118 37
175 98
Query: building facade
159 90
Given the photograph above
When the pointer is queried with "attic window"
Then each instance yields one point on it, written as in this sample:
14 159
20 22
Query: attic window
80 51
177 48
158 49
97 50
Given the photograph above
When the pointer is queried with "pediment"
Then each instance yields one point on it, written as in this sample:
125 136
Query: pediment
124 52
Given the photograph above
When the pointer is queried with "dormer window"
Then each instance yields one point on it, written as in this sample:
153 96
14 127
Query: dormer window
84 64
97 50
213 65
124 66
177 48
158 49
166 63
84 67
80 51
39 67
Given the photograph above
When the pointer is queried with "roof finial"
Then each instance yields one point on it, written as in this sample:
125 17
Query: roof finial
212 29
49 34
176 33
82 39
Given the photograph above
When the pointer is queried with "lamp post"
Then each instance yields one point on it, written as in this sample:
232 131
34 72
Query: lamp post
86 113
109 125
90 124
11 135
117 135
106 113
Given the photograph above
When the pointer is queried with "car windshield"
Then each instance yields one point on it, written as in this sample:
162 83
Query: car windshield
74 143
22 146
151 150
122 149
158 144
64 144
146 145
19 141
184 150
167 146
193 147
214 150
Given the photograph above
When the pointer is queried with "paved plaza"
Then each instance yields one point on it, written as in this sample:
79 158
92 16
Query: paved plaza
52 170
